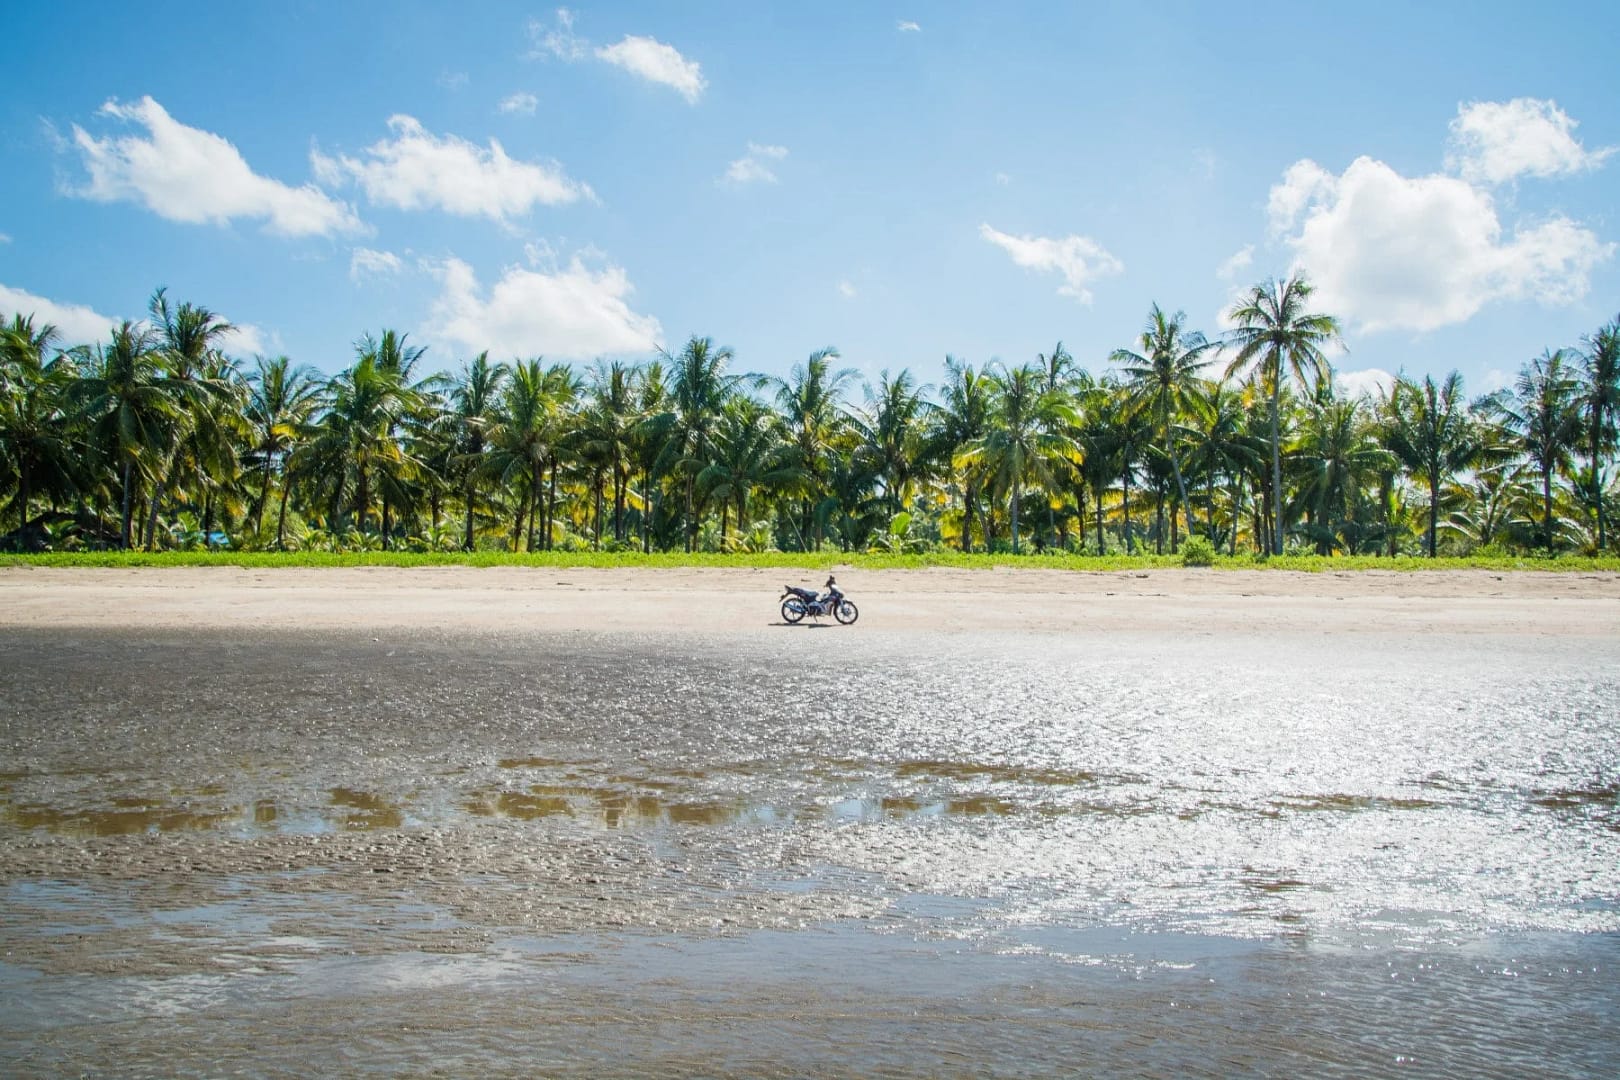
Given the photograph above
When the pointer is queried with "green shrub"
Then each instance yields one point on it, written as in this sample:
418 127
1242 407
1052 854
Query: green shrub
1197 551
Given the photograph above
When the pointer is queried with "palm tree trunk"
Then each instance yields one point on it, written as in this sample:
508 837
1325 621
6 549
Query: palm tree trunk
1597 481
127 507
264 497
467 542
1237 509
967 518
551 507
1434 509
1101 549
1276 464
1546 503
281 514
1158 522
1015 494
1130 545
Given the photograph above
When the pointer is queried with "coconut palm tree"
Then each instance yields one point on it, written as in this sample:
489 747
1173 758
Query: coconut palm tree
1028 432
281 401
473 399
1338 458
367 403
1600 404
699 389
1165 379
130 406
961 420
1430 431
1543 412
811 404
892 429
608 430
1276 334
36 443
751 452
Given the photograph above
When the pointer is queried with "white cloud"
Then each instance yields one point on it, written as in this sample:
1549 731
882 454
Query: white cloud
364 262
571 313
846 290
78 325
184 174
1079 259
417 169
453 80
4 239
558 40
1002 179
907 26
521 103
1493 142
1392 252
656 62
755 165
1369 382
1236 264
245 339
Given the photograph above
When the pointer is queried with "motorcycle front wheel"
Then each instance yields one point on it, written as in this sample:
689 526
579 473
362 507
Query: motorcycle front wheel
846 612
793 609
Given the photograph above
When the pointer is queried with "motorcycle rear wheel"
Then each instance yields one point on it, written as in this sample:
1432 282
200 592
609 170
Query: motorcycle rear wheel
793 609
846 612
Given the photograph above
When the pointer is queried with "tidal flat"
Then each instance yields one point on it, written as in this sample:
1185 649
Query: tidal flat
775 851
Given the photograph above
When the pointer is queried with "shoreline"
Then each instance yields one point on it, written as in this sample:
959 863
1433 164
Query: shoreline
745 599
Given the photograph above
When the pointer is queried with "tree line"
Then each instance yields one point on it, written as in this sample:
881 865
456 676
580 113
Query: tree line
156 438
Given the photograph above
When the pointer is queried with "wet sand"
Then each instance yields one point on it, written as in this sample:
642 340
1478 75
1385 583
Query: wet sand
707 600
574 822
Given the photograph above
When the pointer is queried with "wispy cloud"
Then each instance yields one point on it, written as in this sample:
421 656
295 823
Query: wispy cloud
557 39
906 26
364 263
846 290
454 80
185 174
521 103
1079 259
1238 262
415 169
754 166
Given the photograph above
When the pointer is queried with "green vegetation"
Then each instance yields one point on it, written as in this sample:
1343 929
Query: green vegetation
156 442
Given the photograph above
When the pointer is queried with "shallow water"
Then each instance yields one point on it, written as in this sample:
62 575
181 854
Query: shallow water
810 852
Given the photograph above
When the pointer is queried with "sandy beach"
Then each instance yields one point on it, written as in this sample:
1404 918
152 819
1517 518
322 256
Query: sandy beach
744 599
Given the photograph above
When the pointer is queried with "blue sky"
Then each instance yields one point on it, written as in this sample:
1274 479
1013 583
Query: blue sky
897 181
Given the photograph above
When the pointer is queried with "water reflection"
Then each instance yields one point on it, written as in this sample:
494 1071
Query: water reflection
367 810
127 817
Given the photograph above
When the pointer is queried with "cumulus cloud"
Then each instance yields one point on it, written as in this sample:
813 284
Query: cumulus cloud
523 104
755 165
906 26
1080 259
77 324
1368 382
245 339
415 169
573 312
185 174
1388 251
364 263
656 62
1493 142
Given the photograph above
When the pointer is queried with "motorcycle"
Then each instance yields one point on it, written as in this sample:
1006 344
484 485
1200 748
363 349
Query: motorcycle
797 603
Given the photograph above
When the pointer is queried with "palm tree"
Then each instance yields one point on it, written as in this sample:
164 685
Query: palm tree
473 399
281 400
1545 415
750 452
1275 333
1222 448
1339 457
811 404
609 429
130 406
1028 432
1429 430
892 430
367 402
1165 378
35 441
698 392
962 419
1600 401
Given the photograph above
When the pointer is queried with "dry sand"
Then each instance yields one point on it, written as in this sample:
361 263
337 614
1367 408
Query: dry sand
679 600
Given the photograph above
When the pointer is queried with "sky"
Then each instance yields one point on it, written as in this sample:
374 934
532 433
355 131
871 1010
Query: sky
902 182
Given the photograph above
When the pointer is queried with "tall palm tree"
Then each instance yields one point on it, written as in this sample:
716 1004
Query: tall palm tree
811 403
1545 415
1339 459
130 406
1165 379
1430 431
36 444
1277 335
609 426
962 419
750 453
699 388
521 440
368 401
892 428
1600 402
473 399
1222 449
1028 432
281 401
